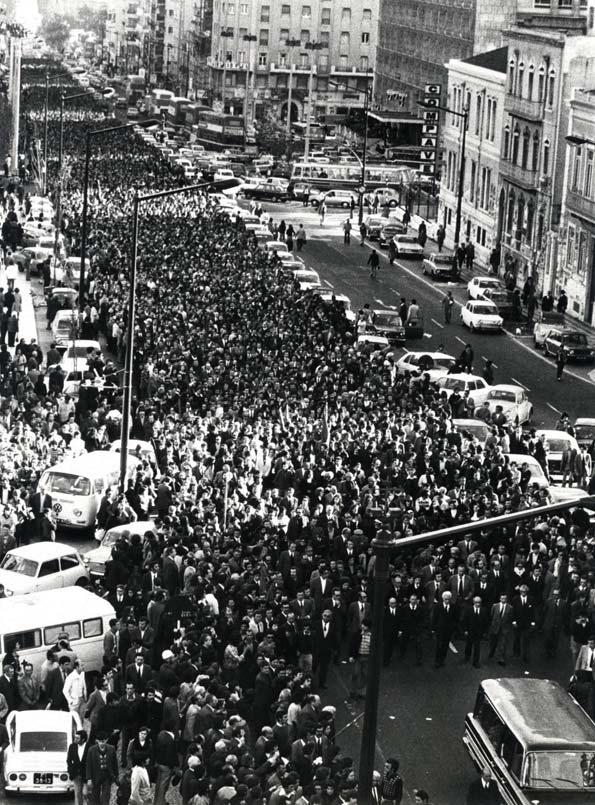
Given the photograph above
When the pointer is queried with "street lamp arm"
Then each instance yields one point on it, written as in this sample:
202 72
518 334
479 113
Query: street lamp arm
425 105
142 123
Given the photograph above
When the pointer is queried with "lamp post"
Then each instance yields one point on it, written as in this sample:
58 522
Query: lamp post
465 116
313 46
45 128
291 44
247 38
227 34
383 546
365 154
169 48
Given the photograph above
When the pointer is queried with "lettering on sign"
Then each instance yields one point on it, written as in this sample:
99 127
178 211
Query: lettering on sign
429 132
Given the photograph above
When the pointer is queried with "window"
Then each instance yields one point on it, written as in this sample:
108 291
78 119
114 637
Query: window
284 35
345 40
322 64
367 15
262 59
545 165
325 37
515 145
243 8
343 62
550 88
521 73
492 134
241 57
264 13
304 35
511 753
73 630
49 567
325 16
576 168
530 81
535 152
511 76
304 60
363 62
477 114
68 562
541 84
171 12
170 30
346 15
92 627
264 37
25 640
285 10
472 181
306 11
526 146
365 38
588 182
231 8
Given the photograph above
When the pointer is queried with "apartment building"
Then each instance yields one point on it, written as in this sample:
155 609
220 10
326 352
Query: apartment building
477 84
266 47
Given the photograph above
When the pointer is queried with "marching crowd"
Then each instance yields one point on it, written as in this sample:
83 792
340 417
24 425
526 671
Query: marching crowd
281 450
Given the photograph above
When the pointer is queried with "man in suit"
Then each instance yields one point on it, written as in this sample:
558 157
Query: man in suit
501 618
484 589
169 572
166 762
320 588
139 673
151 580
338 609
444 625
498 578
102 770
585 660
302 607
111 640
391 630
461 586
523 623
8 687
467 546
411 619
118 599
76 763
475 623
553 622
484 791
288 559
357 612
324 640
54 684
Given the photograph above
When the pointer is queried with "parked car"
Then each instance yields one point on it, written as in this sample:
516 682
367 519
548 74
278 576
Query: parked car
502 298
435 364
584 431
223 174
537 474
334 198
65 325
35 758
391 228
475 428
291 262
477 287
513 400
374 225
330 297
576 344
42 566
544 322
96 558
556 442
477 387
408 246
481 315
440 266
370 344
278 246
306 279
266 192
388 324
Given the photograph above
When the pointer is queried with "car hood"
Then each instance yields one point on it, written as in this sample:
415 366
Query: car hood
36 761
559 798
506 405
100 555
16 582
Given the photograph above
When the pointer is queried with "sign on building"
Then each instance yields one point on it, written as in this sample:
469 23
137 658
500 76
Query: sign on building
429 133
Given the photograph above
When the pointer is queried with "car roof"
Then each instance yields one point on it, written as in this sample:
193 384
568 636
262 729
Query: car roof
584 420
43 720
483 301
553 433
74 602
463 376
466 422
518 458
419 353
507 387
138 527
42 551
385 310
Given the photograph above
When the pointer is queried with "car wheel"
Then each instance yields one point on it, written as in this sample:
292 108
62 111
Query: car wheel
82 582
314 203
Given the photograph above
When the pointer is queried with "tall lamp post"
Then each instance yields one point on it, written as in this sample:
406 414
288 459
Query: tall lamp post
291 44
362 188
313 46
249 38
465 116
225 35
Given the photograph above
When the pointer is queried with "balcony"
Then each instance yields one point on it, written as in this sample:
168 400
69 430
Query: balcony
288 68
579 205
524 108
522 177
350 71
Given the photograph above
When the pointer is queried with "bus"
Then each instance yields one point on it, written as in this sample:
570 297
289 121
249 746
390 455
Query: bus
176 110
349 175
135 89
317 132
216 130
158 99
192 113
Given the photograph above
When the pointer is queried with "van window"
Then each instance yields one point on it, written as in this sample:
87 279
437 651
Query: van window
98 486
73 630
489 719
92 627
49 567
30 639
511 753
66 484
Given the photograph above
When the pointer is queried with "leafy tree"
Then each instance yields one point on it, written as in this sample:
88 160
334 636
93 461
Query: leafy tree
55 30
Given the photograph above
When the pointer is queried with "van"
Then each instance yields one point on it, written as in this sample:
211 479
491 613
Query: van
535 740
33 622
76 485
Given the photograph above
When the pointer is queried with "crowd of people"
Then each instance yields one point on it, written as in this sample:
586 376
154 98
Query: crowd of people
281 450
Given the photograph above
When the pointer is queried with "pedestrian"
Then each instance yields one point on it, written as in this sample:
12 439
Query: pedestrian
289 236
440 236
523 623
363 232
359 662
301 238
140 784
466 358
391 783
444 624
500 629
322 213
421 797
282 230
75 690
375 203
76 763
351 207
447 305
166 762
102 770
406 216
306 196
560 362
347 232
483 791
373 262
562 302
469 255
461 254
495 256
474 626
547 302
392 251
422 234
488 373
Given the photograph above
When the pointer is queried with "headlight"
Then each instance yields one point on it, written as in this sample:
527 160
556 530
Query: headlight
8 592
86 560
77 512
571 352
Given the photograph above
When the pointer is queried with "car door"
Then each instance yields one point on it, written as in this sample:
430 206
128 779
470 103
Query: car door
482 391
48 577
71 570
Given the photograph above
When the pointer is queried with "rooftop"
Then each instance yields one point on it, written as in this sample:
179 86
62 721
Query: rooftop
496 60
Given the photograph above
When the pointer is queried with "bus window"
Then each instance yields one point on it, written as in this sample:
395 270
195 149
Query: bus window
73 630
92 627
489 720
297 172
354 174
511 753
25 640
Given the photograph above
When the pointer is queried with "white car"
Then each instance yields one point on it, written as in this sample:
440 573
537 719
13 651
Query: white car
556 442
35 758
96 558
223 175
537 474
369 344
331 297
42 566
79 348
75 369
477 287
513 400
435 364
476 428
137 447
407 246
481 315
334 198
65 325
306 278
278 246
291 261
476 386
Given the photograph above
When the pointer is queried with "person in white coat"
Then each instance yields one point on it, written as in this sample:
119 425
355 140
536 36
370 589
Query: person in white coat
140 785
75 690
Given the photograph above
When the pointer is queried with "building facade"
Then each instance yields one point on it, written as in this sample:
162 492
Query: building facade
332 50
417 38
477 84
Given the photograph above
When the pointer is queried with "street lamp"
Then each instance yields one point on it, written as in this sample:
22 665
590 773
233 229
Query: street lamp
93 133
313 46
291 44
465 115
247 38
45 127
225 35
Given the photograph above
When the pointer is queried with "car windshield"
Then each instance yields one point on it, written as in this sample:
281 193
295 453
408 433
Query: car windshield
442 259
501 394
489 283
579 339
453 383
18 564
484 310
43 742
387 319
306 276
552 317
557 445
584 432
478 431
559 770
66 484
408 239
444 363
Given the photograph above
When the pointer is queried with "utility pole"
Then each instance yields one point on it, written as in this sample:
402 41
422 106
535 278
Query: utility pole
225 35
45 134
362 189
313 46
291 44
249 38
16 102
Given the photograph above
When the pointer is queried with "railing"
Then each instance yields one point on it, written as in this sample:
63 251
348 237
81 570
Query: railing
522 107
518 175
575 202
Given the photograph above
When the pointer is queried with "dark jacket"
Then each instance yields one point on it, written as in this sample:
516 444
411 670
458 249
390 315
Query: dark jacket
95 772
77 768
166 753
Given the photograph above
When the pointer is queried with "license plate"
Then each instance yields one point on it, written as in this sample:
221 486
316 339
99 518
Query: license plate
43 779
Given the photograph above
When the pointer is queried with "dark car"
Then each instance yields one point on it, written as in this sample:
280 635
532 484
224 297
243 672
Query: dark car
503 301
388 323
389 230
576 344
266 192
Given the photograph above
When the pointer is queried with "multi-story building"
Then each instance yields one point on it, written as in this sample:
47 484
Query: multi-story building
417 38
543 69
332 47
127 29
478 84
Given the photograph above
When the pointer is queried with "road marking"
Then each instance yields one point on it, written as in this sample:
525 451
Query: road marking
518 382
553 407
330 284
461 340
394 290
437 323
495 365
380 302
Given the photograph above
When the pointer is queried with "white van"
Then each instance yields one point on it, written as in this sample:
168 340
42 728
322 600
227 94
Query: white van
34 622
77 485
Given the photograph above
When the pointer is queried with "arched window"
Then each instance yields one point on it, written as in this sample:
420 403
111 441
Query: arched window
535 152
530 220
551 86
515 145
541 84
526 147
511 75
545 162
506 142
520 218
530 81
520 77
510 216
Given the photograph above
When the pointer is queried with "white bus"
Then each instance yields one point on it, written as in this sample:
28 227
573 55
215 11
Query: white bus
32 623
348 175
77 485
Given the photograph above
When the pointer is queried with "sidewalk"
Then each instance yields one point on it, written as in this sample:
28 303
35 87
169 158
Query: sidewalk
27 322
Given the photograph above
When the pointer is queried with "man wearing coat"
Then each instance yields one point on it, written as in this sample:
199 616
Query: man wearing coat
461 586
475 622
76 763
139 673
357 612
444 625
411 620
323 646
523 623
391 630
483 791
553 622
102 770
501 618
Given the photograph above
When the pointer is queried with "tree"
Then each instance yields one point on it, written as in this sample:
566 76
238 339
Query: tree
55 30
271 135
92 19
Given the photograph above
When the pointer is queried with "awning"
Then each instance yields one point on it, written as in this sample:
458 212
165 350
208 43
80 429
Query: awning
388 116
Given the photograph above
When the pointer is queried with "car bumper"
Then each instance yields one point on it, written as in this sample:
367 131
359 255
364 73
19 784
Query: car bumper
488 325
30 788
